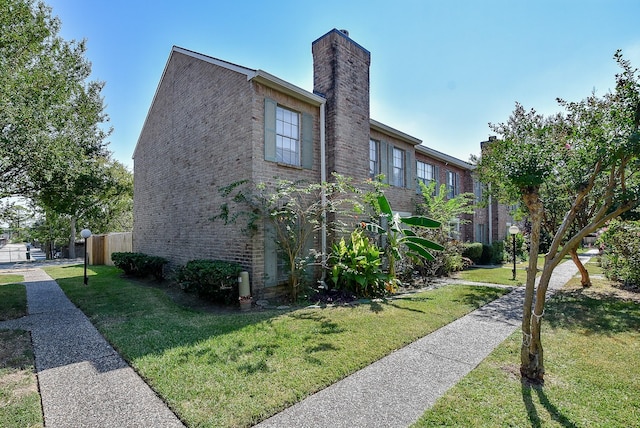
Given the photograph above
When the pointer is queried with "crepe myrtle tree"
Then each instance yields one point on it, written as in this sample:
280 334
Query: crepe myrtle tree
593 149
400 239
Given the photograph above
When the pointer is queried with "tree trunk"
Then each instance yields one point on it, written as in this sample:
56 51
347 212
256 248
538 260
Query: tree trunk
531 364
584 274
72 239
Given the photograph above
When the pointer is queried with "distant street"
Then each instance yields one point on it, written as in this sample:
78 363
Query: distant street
12 253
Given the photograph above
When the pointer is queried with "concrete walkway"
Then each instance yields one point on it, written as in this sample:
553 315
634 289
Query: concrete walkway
396 390
84 383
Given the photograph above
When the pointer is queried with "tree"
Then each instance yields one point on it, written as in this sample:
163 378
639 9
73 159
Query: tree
49 113
594 150
294 211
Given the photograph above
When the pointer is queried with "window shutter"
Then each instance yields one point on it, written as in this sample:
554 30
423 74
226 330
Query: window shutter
307 141
390 163
437 178
270 256
410 171
384 161
270 129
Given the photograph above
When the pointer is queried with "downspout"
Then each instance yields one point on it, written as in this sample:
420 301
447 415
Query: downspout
323 195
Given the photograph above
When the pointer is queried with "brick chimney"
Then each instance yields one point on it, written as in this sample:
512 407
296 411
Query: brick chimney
341 74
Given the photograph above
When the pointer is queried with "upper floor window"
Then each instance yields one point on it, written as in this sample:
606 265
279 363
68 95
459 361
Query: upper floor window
453 184
287 136
374 158
425 172
398 168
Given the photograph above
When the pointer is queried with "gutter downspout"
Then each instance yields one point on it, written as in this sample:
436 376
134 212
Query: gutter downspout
323 195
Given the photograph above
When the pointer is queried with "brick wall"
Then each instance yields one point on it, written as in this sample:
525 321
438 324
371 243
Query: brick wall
196 139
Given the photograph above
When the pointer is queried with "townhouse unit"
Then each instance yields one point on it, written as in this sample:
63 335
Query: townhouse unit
212 123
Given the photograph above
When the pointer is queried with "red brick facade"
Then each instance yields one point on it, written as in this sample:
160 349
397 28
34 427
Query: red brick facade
207 128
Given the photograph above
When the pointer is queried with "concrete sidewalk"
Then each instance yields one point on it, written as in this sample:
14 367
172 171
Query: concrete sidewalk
396 390
83 381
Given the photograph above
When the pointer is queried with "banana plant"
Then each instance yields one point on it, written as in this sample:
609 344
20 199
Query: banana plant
401 240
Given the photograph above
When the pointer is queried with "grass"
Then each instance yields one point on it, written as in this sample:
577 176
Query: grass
236 369
13 297
8 278
19 397
592 353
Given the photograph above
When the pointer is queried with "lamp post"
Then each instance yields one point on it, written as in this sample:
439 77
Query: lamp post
85 233
513 230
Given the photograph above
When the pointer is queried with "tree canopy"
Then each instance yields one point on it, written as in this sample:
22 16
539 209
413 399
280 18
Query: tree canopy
585 160
51 116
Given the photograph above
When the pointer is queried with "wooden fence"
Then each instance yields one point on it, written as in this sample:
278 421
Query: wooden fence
100 247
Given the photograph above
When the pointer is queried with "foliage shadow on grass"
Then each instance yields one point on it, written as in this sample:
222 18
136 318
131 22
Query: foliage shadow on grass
532 413
602 315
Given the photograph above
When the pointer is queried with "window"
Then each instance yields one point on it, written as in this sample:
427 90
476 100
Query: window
287 136
478 190
453 180
425 172
374 158
397 173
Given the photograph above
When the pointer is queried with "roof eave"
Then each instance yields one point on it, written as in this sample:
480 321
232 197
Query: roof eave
381 127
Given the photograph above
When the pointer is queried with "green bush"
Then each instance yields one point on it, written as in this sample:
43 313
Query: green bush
214 280
621 255
139 264
356 266
487 254
497 252
473 251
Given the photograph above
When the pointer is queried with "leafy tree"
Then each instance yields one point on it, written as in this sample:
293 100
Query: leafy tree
439 207
296 211
51 117
594 150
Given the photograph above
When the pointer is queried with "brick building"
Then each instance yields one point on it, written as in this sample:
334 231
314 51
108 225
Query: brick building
212 123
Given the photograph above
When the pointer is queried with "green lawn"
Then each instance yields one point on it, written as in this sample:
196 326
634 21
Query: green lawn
13 297
19 397
236 369
592 354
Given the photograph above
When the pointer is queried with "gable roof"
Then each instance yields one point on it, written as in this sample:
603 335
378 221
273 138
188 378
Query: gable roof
259 76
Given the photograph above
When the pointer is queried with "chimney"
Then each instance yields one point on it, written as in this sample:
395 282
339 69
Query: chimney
341 73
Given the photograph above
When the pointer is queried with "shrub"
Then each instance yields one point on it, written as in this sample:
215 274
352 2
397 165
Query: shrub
473 251
497 252
139 264
215 280
621 259
357 266
487 254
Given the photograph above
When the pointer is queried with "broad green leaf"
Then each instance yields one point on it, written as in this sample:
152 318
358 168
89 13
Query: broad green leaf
420 221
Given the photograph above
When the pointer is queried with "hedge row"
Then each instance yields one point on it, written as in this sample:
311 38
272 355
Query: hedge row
139 264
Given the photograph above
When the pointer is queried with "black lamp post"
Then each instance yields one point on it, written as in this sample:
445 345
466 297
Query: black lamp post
513 230
85 233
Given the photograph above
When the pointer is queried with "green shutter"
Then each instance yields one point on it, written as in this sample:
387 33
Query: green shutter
270 129
436 171
410 171
384 160
270 256
307 141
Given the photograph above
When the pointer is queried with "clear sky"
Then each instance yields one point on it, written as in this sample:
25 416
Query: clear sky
440 70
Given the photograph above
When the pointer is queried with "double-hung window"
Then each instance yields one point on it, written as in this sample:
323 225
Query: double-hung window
374 158
398 168
425 173
453 183
287 136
